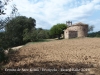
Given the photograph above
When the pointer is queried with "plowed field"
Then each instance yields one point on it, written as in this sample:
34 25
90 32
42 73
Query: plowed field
57 57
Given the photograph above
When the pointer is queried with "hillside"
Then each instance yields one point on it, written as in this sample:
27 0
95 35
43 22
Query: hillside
56 56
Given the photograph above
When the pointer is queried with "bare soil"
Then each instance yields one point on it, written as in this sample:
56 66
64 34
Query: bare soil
80 56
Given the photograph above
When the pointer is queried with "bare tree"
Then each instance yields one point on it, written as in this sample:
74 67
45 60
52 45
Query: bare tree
13 13
2 6
90 28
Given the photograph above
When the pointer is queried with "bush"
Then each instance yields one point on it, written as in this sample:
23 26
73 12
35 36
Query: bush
57 30
3 57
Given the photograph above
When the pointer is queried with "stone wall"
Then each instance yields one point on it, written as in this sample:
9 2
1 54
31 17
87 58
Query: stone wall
82 30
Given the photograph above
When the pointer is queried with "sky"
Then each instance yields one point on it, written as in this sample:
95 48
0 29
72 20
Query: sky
50 12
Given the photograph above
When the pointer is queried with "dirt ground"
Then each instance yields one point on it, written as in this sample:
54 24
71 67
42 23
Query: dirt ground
80 56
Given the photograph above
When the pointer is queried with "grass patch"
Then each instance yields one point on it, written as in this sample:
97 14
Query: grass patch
40 41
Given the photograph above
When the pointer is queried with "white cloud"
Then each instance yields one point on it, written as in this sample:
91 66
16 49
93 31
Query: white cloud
50 12
96 24
97 7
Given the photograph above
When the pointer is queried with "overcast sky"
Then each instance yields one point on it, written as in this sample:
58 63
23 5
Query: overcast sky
50 12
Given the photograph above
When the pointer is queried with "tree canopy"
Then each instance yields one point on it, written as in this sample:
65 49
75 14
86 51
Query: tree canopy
94 34
37 34
17 27
57 30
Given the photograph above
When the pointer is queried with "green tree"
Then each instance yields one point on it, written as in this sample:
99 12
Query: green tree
94 34
43 33
17 28
57 30
97 35
38 34
47 34
5 41
2 38
34 35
